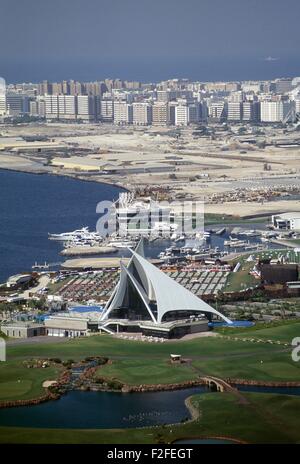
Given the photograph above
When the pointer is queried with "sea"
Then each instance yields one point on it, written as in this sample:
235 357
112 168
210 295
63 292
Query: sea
31 206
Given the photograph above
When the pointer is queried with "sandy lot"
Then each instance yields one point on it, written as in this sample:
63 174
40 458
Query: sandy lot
189 166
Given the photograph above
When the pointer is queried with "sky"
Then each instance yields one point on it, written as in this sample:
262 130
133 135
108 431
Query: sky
148 40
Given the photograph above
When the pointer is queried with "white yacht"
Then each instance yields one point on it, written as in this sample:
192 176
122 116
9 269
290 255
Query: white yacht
65 236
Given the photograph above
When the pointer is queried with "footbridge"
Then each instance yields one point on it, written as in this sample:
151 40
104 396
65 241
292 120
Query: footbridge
220 384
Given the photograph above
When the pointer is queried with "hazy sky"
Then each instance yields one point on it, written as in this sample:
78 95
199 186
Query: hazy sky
148 39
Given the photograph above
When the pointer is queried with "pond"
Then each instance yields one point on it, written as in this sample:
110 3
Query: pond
87 409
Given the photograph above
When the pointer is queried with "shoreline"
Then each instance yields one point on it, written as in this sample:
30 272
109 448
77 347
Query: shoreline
64 175
252 210
143 388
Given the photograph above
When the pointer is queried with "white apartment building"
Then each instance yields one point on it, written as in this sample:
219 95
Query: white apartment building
186 114
86 109
123 113
142 114
37 108
160 114
51 106
61 107
67 107
181 115
2 104
276 111
234 111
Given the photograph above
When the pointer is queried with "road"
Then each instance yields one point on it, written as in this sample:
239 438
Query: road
43 282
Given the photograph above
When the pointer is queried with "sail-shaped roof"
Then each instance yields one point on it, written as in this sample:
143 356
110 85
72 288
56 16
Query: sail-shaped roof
154 286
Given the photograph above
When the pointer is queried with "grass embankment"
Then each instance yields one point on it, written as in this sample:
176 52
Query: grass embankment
264 418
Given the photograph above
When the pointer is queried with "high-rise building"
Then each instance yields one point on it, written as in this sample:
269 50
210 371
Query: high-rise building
107 110
44 88
217 110
283 85
17 104
166 95
57 88
123 113
94 89
67 107
2 104
75 88
234 111
142 113
51 107
37 107
251 111
171 112
160 114
186 114
86 108
276 111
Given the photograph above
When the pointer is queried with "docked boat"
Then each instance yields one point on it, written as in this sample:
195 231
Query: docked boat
121 243
65 236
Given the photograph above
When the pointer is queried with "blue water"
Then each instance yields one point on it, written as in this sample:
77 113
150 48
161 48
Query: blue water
234 324
280 390
33 205
86 309
79 409
103 410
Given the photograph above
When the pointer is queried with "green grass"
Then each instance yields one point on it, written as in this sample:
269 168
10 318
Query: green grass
139 362
273 368
153 371
112 347
284 332
266 418
20 383
241 279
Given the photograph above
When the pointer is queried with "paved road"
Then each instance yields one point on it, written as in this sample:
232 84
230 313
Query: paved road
43 282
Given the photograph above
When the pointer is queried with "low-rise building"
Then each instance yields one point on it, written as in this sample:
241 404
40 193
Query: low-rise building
287 221
70 325
20 329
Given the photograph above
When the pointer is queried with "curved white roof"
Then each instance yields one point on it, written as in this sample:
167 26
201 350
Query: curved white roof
170 295
156 286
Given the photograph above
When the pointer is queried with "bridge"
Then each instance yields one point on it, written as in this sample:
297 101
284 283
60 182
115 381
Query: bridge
220 384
